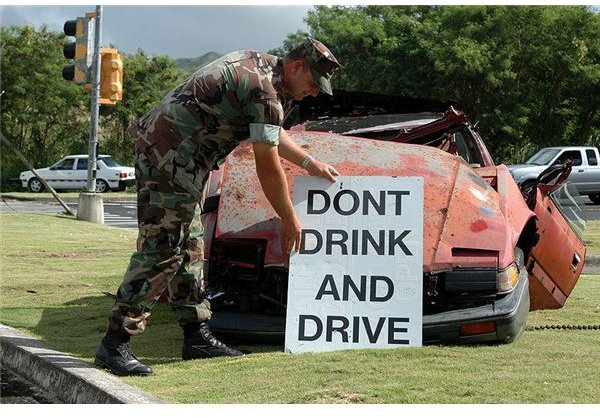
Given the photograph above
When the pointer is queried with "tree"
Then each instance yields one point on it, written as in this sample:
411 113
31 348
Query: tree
529 74
47 117
146 80
43 115
289 43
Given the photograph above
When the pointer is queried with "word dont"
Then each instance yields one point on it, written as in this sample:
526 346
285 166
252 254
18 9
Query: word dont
352 202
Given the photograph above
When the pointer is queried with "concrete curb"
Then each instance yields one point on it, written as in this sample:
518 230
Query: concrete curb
67 378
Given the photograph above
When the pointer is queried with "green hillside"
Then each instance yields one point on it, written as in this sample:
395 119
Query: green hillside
192 64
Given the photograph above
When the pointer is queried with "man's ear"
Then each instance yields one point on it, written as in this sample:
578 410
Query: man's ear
298 66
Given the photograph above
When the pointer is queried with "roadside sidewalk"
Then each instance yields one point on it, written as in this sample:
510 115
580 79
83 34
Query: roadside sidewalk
65 377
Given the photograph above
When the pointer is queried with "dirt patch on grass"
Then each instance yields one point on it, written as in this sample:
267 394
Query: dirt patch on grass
66 254
338 397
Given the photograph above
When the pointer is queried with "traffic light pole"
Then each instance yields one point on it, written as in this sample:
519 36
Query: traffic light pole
91 207
94 107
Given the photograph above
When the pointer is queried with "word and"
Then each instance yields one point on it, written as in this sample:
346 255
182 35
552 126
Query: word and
361 291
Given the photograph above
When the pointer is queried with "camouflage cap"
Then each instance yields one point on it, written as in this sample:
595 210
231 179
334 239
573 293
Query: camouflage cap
321 61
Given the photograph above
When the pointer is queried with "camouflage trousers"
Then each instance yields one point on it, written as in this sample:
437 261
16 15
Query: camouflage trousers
169 255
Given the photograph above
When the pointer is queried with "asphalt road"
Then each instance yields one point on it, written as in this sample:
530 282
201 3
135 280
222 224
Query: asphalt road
120 214
593 211
124 214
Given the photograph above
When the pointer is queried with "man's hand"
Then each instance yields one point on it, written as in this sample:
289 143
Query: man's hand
289 150
290 233
319 169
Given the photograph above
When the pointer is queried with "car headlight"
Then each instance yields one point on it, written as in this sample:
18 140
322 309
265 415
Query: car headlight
507 279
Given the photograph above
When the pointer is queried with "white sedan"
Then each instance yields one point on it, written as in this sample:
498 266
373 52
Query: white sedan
71 173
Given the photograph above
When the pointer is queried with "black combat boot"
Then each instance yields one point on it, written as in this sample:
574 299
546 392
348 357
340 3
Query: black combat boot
114 353
198 342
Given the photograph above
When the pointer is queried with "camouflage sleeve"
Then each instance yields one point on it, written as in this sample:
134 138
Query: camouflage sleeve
267 116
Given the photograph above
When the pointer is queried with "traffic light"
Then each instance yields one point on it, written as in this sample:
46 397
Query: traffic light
111 76
82 50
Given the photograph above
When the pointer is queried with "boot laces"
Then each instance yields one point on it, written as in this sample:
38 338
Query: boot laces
210 339
125 350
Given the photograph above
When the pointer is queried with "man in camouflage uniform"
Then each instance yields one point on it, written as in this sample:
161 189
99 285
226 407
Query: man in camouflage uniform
236 97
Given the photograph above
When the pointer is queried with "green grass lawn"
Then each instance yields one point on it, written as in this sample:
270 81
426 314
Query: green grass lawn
54 270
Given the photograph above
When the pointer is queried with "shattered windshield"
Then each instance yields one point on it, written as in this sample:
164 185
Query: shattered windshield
359 125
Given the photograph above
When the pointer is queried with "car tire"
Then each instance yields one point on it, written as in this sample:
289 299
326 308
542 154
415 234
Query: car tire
102 186
35 185
595 198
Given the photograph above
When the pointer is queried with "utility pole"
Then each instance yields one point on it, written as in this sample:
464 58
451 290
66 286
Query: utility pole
94 105
91 206
100 69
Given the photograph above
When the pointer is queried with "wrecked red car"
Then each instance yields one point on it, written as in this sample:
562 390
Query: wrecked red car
491 251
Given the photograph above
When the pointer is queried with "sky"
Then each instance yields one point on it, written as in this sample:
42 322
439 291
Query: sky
180 31
187 30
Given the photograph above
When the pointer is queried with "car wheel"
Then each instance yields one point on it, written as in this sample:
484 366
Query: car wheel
102 186
595 198
35 185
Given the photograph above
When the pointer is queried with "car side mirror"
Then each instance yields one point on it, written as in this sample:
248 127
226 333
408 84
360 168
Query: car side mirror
555 175
548 180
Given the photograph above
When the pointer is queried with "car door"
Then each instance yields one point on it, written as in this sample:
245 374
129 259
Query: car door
60 174
592 172
556 261
80 173
579 171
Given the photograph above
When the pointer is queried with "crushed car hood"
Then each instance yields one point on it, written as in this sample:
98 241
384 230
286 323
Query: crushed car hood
464 222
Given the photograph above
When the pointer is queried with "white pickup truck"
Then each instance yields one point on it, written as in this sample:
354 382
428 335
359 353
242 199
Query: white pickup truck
585 174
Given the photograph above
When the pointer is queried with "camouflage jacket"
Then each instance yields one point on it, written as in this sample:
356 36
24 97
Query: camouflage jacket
239 96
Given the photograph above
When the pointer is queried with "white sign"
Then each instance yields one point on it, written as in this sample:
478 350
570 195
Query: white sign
356 281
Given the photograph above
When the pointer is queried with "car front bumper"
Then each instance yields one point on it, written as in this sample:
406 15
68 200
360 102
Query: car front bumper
508 314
